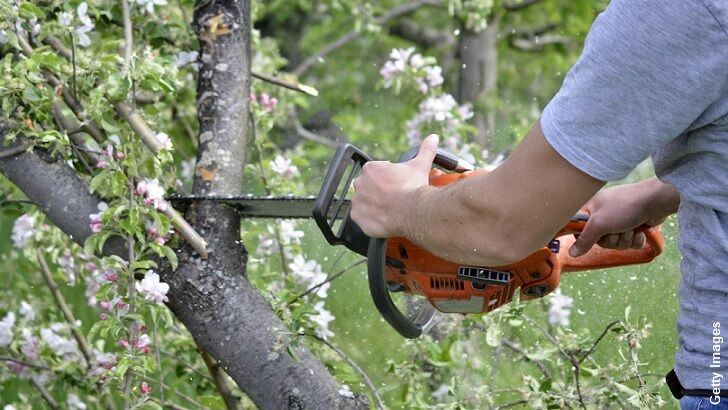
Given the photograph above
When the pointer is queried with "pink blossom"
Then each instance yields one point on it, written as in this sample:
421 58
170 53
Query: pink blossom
119 155
253 99
96 223
106 305
123 343
283 166
141 187
267 102
103 316
153 192
142 343
145 388
152 289
101 164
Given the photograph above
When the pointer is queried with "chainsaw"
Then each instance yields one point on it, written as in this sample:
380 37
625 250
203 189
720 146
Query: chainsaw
408 284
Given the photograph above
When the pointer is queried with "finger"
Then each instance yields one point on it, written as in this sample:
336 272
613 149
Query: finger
427 151
592 232
609 241
640 239
625 240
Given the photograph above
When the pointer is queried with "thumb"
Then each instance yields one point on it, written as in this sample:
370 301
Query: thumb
427 151
586 239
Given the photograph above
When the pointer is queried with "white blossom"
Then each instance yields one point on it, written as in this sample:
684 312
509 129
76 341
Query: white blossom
3 37
288 232
29 344
346 391
149 4
322 320
27 311
74 403
186 57
67 263
152 289
23 230
65 18
309 274
9 407
85 27
59 344
165 141
441 392
283 166
266 245
560 308
6 329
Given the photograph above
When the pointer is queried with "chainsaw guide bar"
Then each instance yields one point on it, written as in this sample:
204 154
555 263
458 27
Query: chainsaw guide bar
284 207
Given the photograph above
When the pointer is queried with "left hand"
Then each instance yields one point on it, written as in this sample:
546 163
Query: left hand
385 192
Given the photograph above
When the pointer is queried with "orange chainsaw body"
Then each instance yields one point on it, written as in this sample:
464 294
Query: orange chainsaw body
456 288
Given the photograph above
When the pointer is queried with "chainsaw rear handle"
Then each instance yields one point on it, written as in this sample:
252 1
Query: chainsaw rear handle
601 258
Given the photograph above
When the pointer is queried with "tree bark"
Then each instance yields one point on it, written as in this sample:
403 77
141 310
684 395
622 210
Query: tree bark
478 75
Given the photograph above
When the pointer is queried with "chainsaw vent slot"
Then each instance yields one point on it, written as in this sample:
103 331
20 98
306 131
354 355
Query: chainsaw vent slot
484 276
446 284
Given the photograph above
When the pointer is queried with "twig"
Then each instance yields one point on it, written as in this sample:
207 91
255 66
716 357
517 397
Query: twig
140 127
302 88
185 364
393 13
551 338
518 349
186 230
196 403
519 5
511 404
26 364
173 406
599 339
222 382
67 314
16 150
158 359
367 381
329 279
131 293
304 133
128 40
50 401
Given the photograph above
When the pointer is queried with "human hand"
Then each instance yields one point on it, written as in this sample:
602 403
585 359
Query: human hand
615 213
386 192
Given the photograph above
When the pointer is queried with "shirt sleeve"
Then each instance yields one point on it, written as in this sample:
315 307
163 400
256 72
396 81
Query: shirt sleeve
648 70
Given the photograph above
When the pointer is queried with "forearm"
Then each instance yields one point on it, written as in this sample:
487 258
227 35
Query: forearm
502 216
659 200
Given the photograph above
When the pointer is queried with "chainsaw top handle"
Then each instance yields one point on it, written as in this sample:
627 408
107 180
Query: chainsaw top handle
410 328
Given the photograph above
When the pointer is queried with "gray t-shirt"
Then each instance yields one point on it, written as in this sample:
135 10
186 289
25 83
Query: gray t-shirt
653 80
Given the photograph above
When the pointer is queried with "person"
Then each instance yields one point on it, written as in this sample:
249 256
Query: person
652 80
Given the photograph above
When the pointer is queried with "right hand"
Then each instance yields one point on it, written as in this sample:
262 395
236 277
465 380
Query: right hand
615 213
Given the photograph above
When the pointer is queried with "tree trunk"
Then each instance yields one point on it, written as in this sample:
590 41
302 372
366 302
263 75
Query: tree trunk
227 316
478 55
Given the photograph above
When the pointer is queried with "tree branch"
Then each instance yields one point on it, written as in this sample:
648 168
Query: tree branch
50 401
22 363
311 136
362 373
63 306
222 383
519 5
537 43
424 36
302 88
393 13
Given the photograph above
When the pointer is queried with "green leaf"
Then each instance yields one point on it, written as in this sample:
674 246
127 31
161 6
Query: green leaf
171 256
30 10
31 94
493 336
148 405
